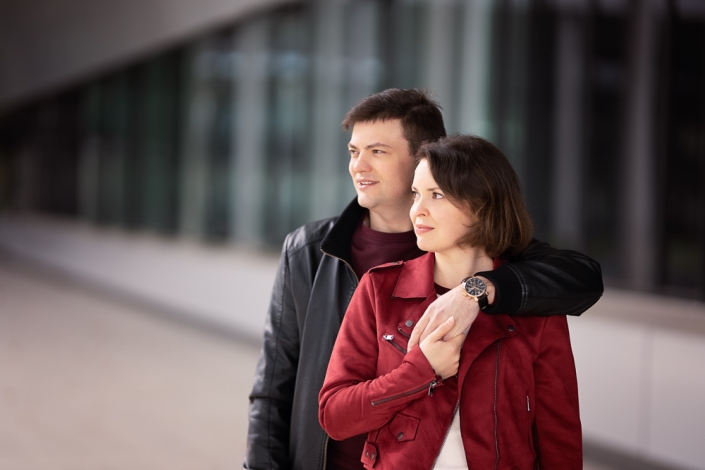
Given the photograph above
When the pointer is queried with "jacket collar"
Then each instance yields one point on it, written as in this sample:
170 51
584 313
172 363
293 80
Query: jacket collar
338 241
416 278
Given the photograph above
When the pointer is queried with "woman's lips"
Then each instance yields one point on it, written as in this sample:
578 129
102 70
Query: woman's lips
420 228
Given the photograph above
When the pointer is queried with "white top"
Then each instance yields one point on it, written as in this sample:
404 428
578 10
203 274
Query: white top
452 456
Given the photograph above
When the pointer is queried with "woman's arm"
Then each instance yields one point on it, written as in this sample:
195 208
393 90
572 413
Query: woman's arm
557 430
353 400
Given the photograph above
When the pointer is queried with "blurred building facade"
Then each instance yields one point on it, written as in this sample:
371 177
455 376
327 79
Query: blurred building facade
232 133
220 123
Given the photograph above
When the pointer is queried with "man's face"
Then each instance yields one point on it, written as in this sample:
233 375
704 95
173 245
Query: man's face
381 167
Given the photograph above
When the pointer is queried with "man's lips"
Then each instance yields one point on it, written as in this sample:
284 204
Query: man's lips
364 184
420 228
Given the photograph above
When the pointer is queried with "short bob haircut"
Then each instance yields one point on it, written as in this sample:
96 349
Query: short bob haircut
476 176
420 116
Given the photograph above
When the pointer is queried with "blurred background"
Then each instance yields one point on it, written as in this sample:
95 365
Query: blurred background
154 154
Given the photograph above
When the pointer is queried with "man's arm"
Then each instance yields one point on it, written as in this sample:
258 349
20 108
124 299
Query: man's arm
539 281
545 281
273 389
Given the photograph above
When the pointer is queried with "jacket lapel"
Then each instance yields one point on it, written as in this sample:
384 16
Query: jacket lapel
485 331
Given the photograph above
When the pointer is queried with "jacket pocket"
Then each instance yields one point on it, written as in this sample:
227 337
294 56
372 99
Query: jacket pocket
403 427
391 340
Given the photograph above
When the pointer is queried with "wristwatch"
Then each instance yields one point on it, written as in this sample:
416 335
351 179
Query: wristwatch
475 288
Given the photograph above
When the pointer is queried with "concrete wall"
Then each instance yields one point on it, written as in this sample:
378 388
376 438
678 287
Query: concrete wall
640 358
48 44
640 361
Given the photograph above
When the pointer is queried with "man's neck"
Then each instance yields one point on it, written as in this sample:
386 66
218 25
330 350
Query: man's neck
396 223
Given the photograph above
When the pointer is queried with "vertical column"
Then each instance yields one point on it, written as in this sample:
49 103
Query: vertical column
327 109
473 114
440 60
89 156
637 210
512 132
249 151
198 101
568 112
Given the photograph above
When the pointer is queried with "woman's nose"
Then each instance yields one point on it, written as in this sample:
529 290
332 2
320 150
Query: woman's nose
418 208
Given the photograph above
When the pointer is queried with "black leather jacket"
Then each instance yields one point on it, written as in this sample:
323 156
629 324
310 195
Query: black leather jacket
314 284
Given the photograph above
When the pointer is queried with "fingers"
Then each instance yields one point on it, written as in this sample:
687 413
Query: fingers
440 332
456 331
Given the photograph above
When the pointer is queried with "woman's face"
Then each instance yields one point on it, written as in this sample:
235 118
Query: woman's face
438 224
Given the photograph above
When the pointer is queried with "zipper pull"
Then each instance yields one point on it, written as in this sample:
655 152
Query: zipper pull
388 337
528 407
431 387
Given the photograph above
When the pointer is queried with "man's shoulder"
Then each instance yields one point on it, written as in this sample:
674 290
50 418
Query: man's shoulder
309 234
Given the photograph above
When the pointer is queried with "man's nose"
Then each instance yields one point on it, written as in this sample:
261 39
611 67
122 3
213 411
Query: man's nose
361 163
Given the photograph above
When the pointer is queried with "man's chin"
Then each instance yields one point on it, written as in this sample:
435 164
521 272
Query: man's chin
364 201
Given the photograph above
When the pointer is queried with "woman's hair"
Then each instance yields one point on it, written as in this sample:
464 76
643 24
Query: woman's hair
476 176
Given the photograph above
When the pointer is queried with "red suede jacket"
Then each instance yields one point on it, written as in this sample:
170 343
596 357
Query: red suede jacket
516 388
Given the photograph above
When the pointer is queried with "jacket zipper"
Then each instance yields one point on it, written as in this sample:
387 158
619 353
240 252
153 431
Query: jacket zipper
325 452
346 264
390 340
457 404
430 387
496 379
357 281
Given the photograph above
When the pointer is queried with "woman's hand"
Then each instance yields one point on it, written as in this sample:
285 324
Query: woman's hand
444 356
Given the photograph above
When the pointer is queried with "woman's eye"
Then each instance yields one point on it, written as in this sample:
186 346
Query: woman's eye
437 196
415 194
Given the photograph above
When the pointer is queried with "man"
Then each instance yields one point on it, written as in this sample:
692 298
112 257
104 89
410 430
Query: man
320 267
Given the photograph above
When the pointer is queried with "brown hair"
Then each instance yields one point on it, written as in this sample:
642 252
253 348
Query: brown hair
420 116
477 177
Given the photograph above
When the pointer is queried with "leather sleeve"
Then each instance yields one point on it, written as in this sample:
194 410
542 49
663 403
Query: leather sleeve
545 281
351 386
556 431
273 389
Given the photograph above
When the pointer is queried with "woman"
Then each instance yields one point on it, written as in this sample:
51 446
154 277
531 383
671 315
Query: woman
506 395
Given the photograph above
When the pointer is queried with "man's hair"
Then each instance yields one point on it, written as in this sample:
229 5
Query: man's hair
420 116
476 177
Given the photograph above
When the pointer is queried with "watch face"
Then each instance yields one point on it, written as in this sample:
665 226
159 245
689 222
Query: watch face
475 286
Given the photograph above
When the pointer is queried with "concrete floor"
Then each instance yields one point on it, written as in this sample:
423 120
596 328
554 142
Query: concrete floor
89 384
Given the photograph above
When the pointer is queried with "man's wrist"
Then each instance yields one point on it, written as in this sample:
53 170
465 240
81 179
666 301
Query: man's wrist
490 289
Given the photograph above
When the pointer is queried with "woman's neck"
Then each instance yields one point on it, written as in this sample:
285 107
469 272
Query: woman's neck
452 266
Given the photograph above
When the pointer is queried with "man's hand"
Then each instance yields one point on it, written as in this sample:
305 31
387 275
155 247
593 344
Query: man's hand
452 304
444 356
